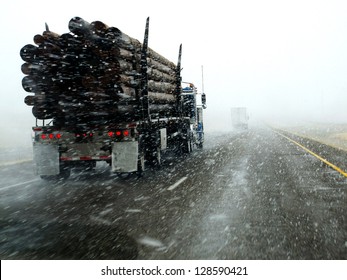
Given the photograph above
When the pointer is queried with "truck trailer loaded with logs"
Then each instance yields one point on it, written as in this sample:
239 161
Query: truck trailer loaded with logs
100 95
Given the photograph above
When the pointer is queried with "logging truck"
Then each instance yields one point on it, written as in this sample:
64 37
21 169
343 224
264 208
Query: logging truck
100 95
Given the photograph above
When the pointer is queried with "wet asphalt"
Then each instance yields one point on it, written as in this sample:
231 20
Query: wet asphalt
246 195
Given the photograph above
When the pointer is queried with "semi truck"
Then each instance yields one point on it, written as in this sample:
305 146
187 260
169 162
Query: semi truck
239 118
100 95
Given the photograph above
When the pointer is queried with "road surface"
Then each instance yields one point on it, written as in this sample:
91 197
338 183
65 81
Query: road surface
246 195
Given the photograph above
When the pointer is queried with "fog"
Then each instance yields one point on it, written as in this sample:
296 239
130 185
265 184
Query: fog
283 60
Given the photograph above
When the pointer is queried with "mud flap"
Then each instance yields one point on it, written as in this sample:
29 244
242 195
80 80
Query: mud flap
46 159
163 139
125 156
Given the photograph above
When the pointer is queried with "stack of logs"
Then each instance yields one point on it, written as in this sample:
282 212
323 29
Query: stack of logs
92 74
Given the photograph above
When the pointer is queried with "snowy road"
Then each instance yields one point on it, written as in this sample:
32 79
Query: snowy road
250 195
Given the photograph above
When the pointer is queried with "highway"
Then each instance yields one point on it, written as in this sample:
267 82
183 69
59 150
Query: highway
254 194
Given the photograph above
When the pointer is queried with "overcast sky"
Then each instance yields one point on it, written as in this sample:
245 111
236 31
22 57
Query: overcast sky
278 58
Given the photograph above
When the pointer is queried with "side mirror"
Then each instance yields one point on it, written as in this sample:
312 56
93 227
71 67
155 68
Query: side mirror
203 100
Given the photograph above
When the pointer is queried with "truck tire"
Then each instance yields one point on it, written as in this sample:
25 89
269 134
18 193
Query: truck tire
199 145
153 156
186 146
90 166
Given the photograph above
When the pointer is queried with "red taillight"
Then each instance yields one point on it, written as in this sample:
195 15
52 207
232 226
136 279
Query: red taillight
119 133
126 133
50 136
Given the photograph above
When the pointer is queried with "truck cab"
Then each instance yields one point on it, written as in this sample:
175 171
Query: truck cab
194 103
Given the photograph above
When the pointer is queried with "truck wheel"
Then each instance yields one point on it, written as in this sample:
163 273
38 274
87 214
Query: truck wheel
153 157
90 166
186 146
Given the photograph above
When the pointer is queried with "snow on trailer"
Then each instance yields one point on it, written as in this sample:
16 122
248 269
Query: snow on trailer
101 95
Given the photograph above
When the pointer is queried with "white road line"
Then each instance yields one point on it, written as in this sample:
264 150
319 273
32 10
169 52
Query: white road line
180 181
16 185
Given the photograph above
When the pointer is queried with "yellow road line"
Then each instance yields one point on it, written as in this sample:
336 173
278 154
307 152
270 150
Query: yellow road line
317 140
315 155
